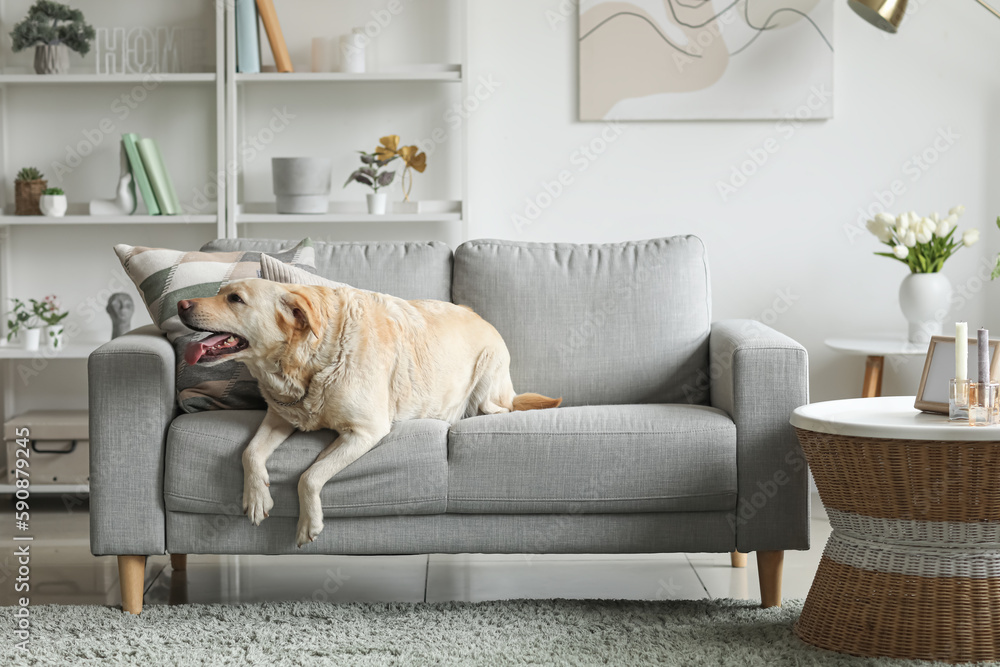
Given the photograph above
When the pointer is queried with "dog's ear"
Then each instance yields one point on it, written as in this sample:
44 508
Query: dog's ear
303 312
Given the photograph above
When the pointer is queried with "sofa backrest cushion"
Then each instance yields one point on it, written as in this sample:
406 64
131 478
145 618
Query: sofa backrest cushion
596 324
406 270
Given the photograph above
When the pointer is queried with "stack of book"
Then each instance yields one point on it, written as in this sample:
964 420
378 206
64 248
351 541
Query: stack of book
248 39
150 175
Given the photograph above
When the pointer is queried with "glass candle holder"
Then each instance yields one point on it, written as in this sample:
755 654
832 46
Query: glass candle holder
984 403
958 400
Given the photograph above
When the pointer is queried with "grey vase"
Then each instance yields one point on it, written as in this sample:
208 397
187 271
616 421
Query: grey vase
302 184
51 59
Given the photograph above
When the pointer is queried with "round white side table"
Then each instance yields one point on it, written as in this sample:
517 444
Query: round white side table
912 567
876 348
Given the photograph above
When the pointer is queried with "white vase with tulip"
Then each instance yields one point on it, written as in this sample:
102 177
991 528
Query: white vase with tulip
923 244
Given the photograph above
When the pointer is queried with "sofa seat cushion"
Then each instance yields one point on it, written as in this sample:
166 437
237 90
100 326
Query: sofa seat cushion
594 459
406 473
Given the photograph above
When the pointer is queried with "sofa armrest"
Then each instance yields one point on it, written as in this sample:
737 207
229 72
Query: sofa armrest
132 403
759 377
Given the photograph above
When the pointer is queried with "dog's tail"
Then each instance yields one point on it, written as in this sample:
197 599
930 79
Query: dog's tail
535 402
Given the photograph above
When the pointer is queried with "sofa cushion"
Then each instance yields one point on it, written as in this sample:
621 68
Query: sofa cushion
595 324
406 473
406 270
164 277
600 459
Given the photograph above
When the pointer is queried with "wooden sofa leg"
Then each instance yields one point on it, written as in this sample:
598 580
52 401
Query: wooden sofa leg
178 562
737 559
769 566
132 577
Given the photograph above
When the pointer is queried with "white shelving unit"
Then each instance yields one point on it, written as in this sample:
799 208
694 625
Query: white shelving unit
329 92
48 120
336 114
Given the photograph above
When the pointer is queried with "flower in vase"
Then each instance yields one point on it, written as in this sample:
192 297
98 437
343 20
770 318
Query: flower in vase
924 244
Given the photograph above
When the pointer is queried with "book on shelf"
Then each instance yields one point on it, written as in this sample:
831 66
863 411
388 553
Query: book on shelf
247 37
139 176
269 17
159 177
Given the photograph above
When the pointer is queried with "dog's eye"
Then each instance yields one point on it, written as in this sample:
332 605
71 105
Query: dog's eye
235 298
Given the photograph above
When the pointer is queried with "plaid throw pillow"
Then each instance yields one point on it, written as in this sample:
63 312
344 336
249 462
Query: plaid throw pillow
165 277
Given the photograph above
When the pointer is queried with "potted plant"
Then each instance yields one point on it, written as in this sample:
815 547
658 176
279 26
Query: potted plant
50 312
28 188
371 174
924 245
21 319
53 29
53 202
413 160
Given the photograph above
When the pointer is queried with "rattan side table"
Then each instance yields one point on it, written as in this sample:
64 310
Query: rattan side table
912 567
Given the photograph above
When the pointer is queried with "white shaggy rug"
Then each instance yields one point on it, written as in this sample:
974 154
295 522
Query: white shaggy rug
513 632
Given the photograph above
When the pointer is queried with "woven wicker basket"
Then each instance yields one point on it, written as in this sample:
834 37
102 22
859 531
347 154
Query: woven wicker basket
27 195
912 569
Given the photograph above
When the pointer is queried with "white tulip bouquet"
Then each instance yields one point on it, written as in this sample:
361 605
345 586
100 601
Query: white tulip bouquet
923 244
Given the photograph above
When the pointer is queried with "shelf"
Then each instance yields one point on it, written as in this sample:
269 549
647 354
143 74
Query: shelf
48 79
73 350
341 212
25 220
39 489
445 73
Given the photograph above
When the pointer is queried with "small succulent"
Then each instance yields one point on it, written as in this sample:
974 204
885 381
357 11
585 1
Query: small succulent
370 173
30 174
53 191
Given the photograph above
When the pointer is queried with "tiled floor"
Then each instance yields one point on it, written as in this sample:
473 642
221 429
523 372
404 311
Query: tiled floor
63 571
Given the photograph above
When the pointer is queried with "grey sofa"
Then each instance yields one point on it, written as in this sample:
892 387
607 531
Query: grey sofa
673 435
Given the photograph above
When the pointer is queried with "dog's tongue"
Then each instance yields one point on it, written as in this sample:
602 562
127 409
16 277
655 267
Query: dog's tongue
196 349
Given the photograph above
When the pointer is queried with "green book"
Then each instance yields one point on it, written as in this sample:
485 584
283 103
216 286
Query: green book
159 178
139 177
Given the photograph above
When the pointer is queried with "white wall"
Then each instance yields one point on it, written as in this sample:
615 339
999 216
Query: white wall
790 231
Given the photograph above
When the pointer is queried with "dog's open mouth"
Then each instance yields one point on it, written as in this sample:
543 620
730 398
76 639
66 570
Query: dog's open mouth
214 346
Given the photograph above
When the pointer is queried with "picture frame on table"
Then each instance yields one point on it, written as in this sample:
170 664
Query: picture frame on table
939 368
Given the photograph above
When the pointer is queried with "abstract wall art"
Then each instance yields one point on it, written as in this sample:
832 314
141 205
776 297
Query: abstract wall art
706 59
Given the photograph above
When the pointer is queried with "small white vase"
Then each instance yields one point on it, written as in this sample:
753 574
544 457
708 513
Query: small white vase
53 205
925 299
31 338
54 336
377 203
352 52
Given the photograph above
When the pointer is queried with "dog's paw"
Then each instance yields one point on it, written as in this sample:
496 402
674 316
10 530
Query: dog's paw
308 530
257 502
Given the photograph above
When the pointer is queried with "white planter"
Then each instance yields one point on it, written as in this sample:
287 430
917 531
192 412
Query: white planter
54 336
925 299
51 59
302 184
31 338
53 205
377 203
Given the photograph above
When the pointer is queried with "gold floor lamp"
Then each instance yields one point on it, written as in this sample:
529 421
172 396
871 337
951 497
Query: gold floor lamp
888 14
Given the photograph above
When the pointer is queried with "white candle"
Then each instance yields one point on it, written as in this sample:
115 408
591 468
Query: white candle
961 350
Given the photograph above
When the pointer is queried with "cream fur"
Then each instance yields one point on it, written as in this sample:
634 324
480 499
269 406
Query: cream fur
360 361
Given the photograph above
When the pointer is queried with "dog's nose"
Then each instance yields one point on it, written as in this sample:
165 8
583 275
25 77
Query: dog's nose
184 304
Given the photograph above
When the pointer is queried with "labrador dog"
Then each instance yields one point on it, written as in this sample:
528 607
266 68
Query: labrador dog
349 360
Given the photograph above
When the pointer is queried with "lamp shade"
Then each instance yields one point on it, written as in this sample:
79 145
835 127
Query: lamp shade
883 14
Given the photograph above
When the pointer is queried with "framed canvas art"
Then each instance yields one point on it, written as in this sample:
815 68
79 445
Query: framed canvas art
706 59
